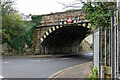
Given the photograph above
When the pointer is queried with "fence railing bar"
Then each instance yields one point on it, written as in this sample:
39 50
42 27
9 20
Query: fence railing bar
115 45
117 54
109 46
112 50
100 48
105 46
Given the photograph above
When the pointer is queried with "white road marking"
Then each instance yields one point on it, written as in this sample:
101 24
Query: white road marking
32 61
1 77
5 62
38 60
46 60
65 58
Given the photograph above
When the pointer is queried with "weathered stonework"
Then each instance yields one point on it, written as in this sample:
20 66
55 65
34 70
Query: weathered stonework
55 19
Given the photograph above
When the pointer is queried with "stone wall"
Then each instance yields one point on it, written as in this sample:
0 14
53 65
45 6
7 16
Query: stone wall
56 18
86 46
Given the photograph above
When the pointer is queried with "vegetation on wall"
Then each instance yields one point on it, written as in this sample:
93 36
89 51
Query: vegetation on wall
36 19
99 13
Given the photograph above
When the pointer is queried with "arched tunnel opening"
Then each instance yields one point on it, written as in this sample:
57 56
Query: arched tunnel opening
65 40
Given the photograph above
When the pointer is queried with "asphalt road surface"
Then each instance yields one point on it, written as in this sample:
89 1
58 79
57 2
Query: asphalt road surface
26 67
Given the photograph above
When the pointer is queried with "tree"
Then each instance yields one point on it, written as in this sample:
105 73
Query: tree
99 13
36 19
0 23
12 26
30 28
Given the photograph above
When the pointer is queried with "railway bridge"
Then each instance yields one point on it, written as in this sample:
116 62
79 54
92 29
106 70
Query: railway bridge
56 35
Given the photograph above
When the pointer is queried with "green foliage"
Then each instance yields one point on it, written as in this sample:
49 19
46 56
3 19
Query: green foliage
94 74
36 19
30 28
7 7
13 27
99 13
17 43
0 26
12 24
15 32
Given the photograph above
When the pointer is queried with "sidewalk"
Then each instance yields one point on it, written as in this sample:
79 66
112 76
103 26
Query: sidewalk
78 71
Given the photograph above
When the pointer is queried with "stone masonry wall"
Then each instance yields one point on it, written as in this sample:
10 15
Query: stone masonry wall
55 18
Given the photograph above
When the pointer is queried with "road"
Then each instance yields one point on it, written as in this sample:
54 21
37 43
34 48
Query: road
26 67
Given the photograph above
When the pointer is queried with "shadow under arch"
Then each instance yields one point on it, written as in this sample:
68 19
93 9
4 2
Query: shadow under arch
66 39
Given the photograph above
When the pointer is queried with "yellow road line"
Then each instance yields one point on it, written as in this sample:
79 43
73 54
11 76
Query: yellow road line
55 75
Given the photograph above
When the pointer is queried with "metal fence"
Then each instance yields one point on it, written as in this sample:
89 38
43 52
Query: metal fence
106 49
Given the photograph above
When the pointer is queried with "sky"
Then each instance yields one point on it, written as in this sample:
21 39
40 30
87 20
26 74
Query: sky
38 7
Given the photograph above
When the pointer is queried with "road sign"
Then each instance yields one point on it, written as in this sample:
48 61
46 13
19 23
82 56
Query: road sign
69 20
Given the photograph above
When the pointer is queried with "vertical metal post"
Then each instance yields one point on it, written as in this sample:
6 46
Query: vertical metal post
109 46
105 46
118 21
115 44
100 54
93 47
115 51
117 54
112 50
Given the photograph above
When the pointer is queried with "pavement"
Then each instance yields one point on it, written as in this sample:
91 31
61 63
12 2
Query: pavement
77 71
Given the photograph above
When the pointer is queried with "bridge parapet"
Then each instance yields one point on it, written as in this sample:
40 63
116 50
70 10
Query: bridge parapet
56 18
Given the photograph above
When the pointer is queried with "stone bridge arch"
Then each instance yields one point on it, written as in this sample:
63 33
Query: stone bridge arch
60 36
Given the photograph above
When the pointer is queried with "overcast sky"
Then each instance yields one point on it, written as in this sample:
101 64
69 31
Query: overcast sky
41 6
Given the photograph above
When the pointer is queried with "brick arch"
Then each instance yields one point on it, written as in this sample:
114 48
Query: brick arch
64 24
